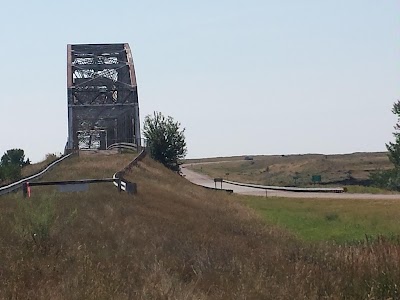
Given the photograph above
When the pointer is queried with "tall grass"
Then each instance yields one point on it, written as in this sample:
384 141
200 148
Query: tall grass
34 218
174 240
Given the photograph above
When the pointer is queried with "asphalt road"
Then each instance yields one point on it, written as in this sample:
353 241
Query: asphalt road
204 180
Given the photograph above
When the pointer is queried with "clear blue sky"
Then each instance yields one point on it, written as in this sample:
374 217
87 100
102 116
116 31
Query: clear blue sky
243 77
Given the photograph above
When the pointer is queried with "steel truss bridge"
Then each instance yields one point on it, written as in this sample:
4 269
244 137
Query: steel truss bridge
103 107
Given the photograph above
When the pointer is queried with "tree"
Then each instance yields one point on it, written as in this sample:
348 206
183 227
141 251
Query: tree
2 174
11 164
165 140
390 179
394 148
14 157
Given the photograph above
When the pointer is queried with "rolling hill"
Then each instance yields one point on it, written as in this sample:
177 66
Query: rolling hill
294 170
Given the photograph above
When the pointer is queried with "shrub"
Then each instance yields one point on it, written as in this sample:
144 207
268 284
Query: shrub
166 140
331 216
386 179
34 219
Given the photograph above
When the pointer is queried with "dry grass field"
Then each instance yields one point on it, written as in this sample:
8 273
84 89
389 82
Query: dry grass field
290 170
173 240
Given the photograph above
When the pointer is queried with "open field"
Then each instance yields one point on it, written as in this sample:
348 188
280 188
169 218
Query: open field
340 220
294 170
173 240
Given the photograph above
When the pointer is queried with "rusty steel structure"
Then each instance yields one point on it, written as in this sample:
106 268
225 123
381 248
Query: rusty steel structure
103 106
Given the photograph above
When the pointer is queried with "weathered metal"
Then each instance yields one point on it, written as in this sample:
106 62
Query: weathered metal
81 185
103 106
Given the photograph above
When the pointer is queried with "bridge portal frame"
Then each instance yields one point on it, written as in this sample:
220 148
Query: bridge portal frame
102 94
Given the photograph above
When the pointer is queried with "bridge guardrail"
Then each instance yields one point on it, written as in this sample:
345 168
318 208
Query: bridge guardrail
287 189
18 184
229 191
117 179
126 146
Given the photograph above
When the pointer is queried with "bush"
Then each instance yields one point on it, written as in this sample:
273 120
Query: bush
332 216
34 219
386 179
11 172
166 141
11 164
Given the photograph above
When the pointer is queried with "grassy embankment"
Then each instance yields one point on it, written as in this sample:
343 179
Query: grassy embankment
296 170
173 240
34 168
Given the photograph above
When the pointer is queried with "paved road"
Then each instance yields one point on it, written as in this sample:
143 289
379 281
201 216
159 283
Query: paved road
204 180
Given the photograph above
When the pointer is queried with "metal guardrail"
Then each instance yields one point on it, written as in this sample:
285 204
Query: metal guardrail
216 189
117 178
134 162
124 185
81 185
126 146
64 186
16 185
287 189
129 146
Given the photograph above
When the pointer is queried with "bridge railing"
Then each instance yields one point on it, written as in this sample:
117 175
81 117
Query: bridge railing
129 146
18 184
285 189
118 180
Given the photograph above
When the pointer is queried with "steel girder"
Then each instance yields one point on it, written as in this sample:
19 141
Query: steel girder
102 95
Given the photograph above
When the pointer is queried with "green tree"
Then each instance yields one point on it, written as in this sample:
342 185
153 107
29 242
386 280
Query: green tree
165 140
2 174
394 148
11 164
390 179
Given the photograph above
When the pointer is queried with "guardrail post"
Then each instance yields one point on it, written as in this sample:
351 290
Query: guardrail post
25 189
134 188
131 188
119 185
28 189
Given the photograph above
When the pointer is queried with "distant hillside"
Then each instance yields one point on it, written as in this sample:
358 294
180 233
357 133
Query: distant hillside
294 170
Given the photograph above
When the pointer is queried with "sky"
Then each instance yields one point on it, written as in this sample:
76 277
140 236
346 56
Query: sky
242 77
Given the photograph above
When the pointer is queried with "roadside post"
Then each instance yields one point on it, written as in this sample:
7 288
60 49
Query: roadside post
26 189
119 185
218 180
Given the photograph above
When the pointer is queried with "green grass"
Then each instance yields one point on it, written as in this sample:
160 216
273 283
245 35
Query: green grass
330 220
357 189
